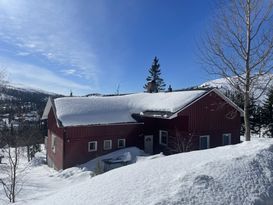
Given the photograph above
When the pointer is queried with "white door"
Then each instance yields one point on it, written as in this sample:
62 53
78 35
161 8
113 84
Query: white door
148 144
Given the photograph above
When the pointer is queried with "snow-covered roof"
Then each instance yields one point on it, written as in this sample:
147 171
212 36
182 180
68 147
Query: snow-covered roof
47 108
74 111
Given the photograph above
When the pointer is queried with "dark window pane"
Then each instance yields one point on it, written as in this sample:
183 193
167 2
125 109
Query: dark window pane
203 143
92 146
226 139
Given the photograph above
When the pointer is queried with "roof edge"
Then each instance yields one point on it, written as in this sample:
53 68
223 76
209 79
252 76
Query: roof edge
50 104
189 104
47 108
230 102
217 91
106 124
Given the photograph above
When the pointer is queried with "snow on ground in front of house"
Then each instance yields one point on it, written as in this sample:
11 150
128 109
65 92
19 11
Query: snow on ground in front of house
40 181
89 167
235 174
134 154
37 178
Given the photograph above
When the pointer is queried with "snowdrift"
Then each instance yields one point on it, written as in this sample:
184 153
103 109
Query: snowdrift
236 174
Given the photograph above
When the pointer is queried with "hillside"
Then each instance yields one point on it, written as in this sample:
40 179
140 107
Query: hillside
224 85
14 96
235 174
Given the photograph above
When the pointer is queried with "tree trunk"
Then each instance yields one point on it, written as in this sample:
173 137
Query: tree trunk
247 78
246 117
28 153
14 175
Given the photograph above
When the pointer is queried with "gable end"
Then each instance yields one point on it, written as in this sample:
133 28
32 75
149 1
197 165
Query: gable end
217 92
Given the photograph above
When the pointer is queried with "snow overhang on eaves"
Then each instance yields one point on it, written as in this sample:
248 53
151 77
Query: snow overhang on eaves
155 114
102 124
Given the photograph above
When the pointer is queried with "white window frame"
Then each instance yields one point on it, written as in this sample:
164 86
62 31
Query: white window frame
229 139
208 141
160 137
53 142
104 142
96 146
124 142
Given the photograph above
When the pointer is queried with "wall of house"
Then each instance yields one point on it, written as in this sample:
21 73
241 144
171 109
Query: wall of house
175 127
212 116
54 159
77 138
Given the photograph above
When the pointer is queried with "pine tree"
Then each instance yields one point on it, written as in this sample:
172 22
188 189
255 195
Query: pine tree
256 121
154 75
255 111
267 112
235 97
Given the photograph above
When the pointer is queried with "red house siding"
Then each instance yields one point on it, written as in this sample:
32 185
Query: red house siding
213 116
72 142
175 127
55 159
77 138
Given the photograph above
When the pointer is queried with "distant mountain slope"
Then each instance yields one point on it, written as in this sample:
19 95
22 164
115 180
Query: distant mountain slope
224 85
14 96
24 88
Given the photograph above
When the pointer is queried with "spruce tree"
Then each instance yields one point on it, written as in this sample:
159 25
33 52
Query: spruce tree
154 75
256 121
267 113
255 111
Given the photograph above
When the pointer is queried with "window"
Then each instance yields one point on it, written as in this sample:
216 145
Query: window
92 146
204 142
226 139
121 143
163 137
53 142
107 144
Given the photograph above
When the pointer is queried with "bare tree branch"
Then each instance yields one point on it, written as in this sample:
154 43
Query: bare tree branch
239 48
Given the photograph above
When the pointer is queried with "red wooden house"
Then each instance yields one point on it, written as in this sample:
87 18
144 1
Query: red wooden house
83 128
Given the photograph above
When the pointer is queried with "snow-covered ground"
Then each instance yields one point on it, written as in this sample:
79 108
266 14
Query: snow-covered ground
235 174
40 181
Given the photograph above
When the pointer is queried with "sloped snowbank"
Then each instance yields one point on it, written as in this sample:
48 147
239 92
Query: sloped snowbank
237 174
134 153
87 170
40 181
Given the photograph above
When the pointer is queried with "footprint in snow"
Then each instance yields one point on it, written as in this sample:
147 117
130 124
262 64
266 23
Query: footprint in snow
203 181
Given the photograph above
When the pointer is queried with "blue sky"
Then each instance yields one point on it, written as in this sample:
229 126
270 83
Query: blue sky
94 46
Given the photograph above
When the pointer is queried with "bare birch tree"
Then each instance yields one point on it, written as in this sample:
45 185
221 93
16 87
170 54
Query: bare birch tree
10 178
10 172
239 48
